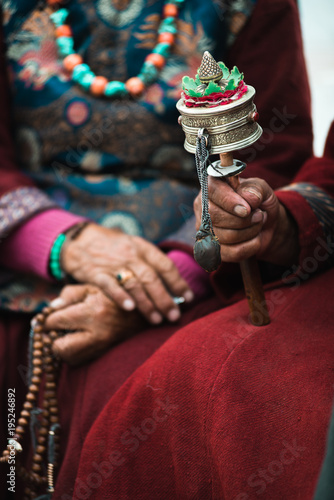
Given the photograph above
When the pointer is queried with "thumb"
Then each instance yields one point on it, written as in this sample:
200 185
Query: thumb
258 194
73 347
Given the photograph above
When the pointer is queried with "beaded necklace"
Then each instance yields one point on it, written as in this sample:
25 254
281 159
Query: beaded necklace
81 73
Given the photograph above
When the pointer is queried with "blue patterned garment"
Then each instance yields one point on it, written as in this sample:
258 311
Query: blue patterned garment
120 162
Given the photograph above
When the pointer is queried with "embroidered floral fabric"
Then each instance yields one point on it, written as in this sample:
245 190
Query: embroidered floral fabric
115 161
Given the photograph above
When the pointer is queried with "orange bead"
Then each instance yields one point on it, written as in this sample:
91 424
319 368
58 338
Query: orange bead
53 2
135 86
71 61
98 85
156 59
166 38
63 30
170 10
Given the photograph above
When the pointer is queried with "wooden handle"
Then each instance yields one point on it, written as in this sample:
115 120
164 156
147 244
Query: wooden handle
254 292
249 269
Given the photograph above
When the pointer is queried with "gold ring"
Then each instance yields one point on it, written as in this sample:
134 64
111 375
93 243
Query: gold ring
123 276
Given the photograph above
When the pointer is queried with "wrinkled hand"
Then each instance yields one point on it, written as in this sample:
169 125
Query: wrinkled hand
250 221
98 254
94 322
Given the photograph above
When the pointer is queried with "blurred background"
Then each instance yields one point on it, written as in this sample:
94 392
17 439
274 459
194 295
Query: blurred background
317 19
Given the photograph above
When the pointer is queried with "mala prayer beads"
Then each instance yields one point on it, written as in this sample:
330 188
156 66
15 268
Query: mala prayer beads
99 85
40 413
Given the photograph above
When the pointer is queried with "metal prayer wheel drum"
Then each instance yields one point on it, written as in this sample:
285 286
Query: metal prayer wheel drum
230 127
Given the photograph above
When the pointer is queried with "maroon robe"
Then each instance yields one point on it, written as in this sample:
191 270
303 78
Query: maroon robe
211 419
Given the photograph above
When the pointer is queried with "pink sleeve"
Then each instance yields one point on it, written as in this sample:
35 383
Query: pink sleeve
27 249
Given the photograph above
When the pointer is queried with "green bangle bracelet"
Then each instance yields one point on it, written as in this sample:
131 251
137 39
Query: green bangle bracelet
54 261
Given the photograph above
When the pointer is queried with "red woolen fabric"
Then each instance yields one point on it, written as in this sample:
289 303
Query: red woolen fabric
221 440
270 53
223 410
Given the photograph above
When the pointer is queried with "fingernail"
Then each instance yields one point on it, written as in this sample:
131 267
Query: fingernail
254 192
265 217
56 303
173 315
156 318
257 216
189 296
129 305
240 210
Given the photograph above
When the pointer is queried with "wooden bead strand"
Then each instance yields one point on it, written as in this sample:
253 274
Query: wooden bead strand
44 366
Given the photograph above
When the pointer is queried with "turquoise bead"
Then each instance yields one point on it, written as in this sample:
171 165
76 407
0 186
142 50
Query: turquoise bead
59 17
65 45
115 89
149 73
168 25
79 70
85 80
162 49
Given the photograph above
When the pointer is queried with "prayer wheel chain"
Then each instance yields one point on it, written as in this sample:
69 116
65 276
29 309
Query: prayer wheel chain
40 413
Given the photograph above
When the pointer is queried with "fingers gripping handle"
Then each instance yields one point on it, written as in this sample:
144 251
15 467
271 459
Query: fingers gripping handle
258 309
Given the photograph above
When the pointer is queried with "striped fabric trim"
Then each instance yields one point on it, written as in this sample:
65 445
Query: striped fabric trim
19 205
322 205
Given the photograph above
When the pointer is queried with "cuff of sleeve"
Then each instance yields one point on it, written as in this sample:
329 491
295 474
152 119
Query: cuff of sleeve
28 248
310 231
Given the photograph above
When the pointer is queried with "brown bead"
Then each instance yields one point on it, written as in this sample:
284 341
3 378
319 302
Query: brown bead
19 430
47 339
33 388
49 394
27 405
37 336
50 385
35 379
49 372
31 396
47 310
37 353
23 421
37 362
40 318
41 440
54 419
25 413
53 402
48 360
54 410
54 335
38 345
38 329
37 371
38 458
43 431
5 453
36 467
40 449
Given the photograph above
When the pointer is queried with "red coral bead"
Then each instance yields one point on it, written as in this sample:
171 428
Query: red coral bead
156 59
170 10
63 30
166 38
71 61
98 85
53 2
135 86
